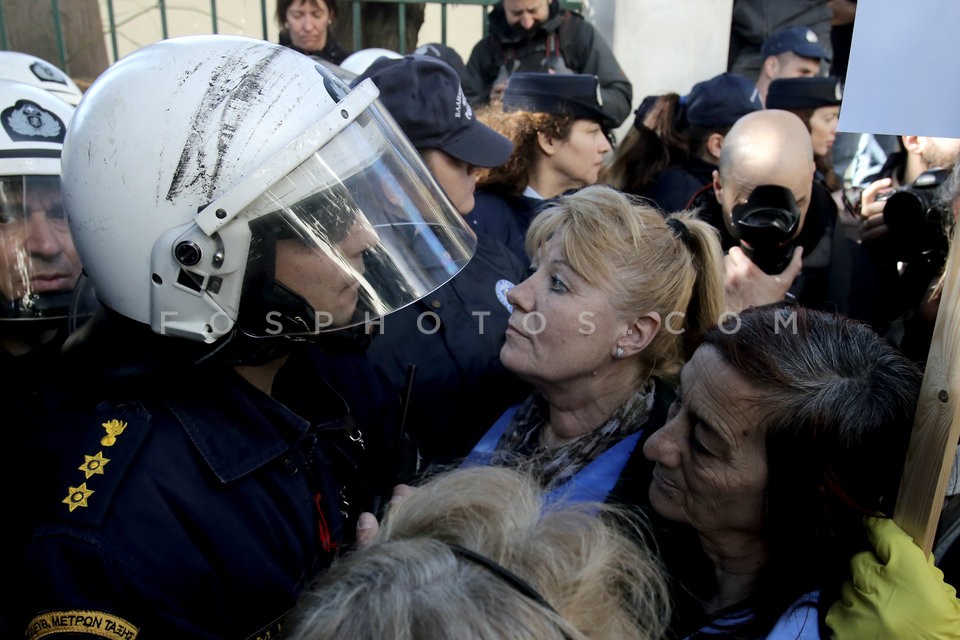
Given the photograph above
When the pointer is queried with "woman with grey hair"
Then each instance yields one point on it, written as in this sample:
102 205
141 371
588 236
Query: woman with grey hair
479 553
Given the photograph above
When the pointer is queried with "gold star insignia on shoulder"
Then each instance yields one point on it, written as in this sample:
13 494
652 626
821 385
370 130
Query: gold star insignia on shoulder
114 428
77 496
93 465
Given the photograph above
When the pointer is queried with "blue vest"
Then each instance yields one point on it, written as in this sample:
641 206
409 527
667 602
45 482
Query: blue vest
591 484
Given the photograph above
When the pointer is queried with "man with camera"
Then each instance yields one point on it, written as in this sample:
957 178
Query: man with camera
919 154
900 243
768 211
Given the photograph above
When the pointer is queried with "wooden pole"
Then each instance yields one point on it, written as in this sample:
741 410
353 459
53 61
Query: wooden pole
936 426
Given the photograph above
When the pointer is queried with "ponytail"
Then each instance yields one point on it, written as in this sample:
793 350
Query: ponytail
706 304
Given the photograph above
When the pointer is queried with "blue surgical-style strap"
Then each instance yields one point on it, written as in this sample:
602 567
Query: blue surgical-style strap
483 450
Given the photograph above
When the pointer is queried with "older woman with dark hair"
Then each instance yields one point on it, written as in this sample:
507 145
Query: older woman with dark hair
305 26
790 426
599 329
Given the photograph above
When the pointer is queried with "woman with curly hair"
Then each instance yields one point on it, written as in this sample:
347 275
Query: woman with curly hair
557 128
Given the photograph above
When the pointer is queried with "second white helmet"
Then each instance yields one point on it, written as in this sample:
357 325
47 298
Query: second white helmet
39 265
35 71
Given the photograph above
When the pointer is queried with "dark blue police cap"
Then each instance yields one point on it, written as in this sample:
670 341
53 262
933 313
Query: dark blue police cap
566 94
721 100
800 40
445 53
804 93
424 96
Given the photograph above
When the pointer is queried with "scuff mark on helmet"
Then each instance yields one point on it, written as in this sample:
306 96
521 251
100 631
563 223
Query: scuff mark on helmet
215 123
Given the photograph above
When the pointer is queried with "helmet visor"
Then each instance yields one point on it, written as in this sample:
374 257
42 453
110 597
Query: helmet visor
356 231
39 265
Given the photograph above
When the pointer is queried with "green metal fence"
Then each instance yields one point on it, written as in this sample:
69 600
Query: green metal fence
401 24
160 10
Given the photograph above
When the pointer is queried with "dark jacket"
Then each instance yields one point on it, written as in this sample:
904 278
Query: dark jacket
332 51
887 284
454 336
505 218
23 406
677 184
183 501
565 42
753 21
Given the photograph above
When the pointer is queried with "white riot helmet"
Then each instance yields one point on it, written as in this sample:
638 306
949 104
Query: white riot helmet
358 61
39 265
35 71
218 184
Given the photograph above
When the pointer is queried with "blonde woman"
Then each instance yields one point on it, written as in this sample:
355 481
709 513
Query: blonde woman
600 329
479 553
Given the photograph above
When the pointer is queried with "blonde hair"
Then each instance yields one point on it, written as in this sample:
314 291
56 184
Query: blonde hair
599 582
626 247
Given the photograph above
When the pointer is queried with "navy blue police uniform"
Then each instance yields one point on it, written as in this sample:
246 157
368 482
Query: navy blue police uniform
454 336
506 218
184 505
677 184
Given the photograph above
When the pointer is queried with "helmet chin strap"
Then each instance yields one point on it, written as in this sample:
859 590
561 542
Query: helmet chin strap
35 314
54 304
255 339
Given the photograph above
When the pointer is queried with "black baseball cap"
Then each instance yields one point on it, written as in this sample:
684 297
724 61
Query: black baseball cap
803 93
800 40
721 101
424 96
567 94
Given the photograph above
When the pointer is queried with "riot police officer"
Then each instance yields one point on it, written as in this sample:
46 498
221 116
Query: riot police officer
234 205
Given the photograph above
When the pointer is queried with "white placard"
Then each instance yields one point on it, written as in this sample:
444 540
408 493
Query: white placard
903 73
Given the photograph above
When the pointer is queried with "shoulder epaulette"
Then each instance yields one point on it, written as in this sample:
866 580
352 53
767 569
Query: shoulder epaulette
106 451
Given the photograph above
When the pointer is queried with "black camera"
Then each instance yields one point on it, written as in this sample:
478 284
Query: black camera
766 225
916 221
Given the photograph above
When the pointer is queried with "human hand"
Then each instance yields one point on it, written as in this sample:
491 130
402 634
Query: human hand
872 203
496 92
400 492
746 285
367 524
894 592
367 528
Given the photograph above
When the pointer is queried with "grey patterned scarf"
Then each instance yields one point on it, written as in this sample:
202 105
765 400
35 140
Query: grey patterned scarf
520 444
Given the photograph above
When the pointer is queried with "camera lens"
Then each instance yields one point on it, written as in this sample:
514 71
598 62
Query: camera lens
914 220
903 207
